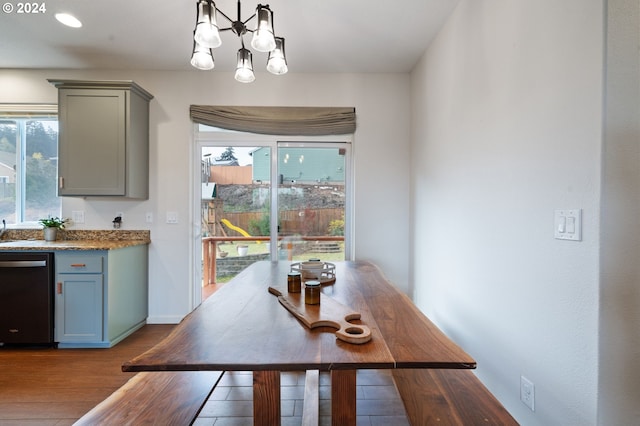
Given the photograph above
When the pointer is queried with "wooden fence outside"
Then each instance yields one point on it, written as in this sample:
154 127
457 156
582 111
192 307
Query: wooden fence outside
231 175
302 222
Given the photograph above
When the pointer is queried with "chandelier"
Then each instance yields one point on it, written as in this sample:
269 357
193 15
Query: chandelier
206 37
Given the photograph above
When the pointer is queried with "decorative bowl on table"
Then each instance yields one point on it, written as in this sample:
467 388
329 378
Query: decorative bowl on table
324 272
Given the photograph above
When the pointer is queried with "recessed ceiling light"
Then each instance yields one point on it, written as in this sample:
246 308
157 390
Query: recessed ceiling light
68 20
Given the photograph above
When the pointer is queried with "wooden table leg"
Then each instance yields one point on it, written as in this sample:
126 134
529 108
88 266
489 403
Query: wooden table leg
266 398
343 397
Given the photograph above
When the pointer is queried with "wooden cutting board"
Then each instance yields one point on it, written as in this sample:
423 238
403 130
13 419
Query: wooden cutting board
329 313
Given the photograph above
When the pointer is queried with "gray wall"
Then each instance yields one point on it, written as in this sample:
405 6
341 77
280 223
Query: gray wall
507 127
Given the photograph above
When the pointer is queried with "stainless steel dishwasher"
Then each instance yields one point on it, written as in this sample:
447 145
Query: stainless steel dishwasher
26 298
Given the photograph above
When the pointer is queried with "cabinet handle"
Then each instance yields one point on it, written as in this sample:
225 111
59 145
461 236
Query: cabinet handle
59 290
61 182
78 265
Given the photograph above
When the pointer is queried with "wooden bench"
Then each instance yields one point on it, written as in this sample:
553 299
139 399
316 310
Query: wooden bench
433 395
449 397
171 398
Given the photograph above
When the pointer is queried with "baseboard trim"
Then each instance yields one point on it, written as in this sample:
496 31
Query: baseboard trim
164 319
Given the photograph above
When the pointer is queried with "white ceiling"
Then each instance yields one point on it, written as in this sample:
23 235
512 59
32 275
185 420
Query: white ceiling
321 35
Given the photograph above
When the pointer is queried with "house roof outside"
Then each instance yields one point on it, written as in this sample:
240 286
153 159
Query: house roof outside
217 162
301 165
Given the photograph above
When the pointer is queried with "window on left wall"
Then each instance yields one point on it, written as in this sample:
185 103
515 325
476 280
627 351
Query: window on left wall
28 164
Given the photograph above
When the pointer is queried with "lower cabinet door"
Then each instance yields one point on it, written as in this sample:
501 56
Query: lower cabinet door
78 308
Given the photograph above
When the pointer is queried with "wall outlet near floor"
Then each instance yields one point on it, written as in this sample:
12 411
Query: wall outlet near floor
148 217
527 393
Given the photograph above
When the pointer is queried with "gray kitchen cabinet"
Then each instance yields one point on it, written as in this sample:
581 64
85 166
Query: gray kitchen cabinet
103 139
101 296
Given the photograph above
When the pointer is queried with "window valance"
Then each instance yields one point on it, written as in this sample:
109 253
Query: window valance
289 121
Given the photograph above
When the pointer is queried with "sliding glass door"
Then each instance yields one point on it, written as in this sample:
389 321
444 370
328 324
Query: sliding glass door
261 198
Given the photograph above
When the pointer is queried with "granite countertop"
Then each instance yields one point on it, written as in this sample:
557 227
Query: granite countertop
27 239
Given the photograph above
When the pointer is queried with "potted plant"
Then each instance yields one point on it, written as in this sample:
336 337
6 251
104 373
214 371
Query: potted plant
51 226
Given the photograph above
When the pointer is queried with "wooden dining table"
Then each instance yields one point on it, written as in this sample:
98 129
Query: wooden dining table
243 327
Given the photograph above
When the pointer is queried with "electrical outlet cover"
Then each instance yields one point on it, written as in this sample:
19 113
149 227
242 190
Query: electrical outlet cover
527 392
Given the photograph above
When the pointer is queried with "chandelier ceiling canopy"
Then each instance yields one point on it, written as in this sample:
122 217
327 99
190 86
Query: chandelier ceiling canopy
206 37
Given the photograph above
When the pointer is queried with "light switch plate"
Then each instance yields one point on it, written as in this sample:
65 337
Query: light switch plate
567 224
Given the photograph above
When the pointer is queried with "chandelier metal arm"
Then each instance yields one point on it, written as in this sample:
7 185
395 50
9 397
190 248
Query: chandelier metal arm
224 15
250 18
231 21
239 27
246 30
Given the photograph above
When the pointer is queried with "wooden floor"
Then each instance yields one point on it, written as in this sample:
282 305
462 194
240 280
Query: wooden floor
45 386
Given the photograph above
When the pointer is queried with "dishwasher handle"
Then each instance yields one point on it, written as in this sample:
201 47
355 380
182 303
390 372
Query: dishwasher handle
22 263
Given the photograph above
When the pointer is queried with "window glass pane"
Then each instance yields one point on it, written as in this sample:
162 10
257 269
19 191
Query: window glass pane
28 169
311 202
236 206
8 162
41 199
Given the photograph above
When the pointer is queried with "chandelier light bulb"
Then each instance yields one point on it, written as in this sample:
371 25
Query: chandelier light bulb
207 33
202 61
244 69
202 57
263 39
277 62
